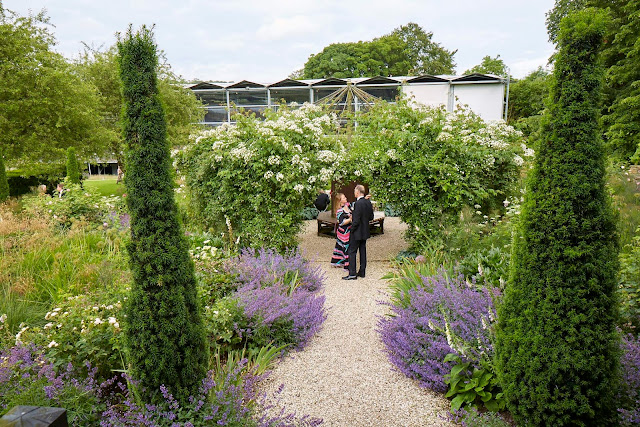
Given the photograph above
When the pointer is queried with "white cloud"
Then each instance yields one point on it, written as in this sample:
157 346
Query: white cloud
281 28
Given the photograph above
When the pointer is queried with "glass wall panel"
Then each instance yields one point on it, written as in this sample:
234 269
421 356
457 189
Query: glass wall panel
248 97
216 115
321 93
299 95
211 97
388 93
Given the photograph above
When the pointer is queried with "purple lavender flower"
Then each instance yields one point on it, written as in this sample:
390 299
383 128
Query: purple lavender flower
444 316
630 364
267 294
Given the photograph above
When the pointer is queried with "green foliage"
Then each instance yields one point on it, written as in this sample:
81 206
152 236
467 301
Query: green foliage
225 323
527 96
182 109
164 334
4 184
472 387
309 212
556 350
23 181
73 171
487 267
623 134
251 181
490 65
44 106
27 387
462 161
474 418
408 50
75 205
84 328
629 285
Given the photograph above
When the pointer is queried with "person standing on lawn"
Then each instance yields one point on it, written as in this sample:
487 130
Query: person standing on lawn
361 216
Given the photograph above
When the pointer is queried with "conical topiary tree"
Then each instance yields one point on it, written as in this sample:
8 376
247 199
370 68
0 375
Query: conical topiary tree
164 333
4 184
556 348
73 171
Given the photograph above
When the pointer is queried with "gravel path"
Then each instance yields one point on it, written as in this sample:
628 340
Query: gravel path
343 376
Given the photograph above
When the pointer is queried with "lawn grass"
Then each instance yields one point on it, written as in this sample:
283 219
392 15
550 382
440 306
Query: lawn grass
104 187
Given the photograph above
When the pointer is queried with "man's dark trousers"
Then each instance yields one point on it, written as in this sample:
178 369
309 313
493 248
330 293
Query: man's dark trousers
362 214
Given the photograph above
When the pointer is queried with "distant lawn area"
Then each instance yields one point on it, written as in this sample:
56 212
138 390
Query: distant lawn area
104 187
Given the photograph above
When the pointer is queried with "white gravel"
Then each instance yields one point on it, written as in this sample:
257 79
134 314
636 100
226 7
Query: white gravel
343 376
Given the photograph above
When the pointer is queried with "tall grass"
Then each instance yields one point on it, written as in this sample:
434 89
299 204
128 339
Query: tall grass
40 266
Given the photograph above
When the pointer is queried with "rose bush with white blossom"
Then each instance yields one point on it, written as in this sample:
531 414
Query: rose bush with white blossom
251 180
430 164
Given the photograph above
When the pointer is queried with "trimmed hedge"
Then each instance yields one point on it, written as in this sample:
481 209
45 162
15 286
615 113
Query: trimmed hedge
4 184
164 332
557 348
73 172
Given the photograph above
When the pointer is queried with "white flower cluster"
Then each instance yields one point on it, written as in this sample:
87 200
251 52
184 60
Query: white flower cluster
273 160
327 156
241 152
299 188
325 174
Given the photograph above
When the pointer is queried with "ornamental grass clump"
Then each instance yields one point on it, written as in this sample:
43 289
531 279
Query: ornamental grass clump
165 336
443 315
557 348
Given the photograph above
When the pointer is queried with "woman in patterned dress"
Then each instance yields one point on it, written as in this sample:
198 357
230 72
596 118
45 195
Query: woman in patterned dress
343 231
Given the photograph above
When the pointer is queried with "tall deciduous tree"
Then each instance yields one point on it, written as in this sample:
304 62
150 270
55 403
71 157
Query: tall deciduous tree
408 50
425 55
556 339
44 106
183 110
164 332
490 65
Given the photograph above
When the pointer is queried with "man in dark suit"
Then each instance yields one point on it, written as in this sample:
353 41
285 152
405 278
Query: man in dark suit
362 214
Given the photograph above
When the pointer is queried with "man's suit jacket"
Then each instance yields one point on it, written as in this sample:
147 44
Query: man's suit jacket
362 214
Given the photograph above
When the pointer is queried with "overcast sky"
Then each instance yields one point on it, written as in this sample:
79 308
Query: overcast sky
265 40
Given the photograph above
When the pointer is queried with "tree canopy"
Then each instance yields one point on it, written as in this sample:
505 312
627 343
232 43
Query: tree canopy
45 107
490 65
408 50
182 108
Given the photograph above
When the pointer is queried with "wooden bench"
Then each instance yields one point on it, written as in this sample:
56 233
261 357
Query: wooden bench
327 224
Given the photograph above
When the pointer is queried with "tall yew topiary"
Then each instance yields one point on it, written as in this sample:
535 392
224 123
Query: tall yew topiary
73 171
556 338
4 184
164 332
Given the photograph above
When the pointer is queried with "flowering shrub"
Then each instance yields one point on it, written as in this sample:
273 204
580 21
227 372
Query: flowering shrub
254 178
444 315
279 295
80 330
429 163
77 204
28 378
630 396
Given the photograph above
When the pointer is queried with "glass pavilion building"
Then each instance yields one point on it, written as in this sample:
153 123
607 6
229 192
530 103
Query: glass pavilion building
485 94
